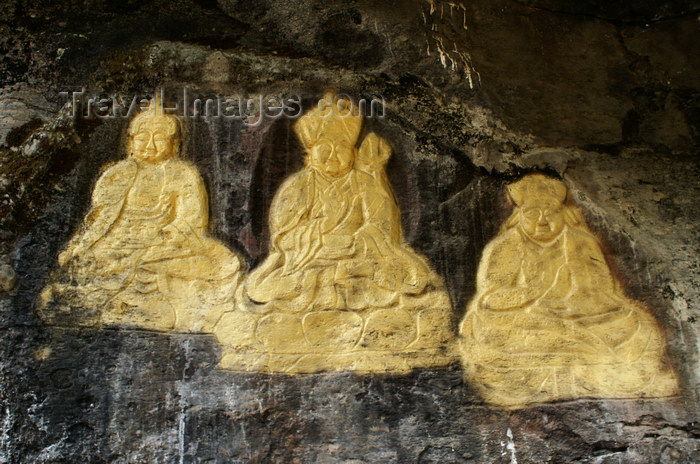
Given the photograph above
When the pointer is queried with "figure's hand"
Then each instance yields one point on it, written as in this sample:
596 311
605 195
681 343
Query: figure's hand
79 257
509 298
555 305
309 241
72 253
337 246
171 233
390 275
560 287
563 278
65 257
351 269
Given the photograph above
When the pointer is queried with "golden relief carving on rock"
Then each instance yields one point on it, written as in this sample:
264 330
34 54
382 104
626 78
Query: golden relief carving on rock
340 289
549 320
142 257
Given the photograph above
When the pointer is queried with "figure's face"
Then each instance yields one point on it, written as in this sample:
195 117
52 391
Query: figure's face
332 159
542 221
153 143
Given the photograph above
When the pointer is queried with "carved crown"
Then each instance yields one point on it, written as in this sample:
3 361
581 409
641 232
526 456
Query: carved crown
332 118
537 187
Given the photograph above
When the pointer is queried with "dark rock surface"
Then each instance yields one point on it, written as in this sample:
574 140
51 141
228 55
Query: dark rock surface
604 94
111 396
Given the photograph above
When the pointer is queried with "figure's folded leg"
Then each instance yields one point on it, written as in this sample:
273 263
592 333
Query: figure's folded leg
132 308
513 388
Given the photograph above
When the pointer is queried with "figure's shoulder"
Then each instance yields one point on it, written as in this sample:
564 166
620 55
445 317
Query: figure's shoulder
507 238
181 173
581 238
119 175
507 241
114 182
294 187
184 168
299 181
304 176
119 169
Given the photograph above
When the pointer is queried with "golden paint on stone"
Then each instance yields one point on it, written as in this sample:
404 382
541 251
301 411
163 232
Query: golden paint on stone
143 258
341 289
549 320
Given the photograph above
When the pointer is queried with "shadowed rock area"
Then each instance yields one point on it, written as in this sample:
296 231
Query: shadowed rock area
603 95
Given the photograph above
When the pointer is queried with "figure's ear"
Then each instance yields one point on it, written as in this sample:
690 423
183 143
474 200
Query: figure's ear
511 198
307 156
573 216
514 218
178 147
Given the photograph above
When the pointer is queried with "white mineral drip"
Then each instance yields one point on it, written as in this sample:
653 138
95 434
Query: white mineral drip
511 447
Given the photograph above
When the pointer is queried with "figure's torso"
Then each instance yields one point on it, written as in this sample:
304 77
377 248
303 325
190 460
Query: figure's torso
540 264
149 205
336 205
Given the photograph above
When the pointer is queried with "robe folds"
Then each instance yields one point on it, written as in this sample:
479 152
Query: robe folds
336 244
550 321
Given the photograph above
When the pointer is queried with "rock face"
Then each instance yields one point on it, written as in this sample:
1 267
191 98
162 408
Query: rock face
476 95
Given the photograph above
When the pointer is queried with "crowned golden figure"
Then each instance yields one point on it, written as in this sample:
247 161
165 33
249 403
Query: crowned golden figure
341 289
549 320
142 257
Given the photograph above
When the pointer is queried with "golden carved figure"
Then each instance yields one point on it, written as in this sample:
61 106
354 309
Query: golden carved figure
340 289
549 320
142 257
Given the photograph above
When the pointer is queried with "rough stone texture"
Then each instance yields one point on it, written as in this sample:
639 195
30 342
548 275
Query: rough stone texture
604 94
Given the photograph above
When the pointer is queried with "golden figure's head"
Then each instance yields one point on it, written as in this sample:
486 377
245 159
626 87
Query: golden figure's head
540 210
329 134
153 135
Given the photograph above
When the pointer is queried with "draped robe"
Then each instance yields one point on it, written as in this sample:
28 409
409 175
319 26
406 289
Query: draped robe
144 245
336 244
549 321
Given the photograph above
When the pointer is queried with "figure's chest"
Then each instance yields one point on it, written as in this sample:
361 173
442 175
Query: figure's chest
542 265
338 208
149 189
